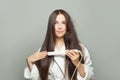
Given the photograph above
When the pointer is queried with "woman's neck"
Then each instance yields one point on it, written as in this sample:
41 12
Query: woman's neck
59 43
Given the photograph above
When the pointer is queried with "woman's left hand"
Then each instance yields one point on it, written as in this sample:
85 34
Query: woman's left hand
74 56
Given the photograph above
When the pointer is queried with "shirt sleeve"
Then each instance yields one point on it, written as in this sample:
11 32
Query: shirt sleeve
89 71
33 75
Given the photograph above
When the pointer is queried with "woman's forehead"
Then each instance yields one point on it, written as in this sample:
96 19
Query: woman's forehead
60 17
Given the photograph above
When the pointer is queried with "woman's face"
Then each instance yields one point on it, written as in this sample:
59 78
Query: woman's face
60 26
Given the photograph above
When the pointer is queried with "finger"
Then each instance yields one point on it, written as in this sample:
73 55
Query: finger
42 57
39 55
69 55
75 51
44 53
72 52
75 54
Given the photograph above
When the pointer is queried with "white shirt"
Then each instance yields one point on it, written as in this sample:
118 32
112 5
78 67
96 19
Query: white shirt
57 73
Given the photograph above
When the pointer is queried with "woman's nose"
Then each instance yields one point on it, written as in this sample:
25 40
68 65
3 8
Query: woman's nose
59 26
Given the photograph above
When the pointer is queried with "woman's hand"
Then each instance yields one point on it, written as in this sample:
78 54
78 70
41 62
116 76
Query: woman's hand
73 55
35 57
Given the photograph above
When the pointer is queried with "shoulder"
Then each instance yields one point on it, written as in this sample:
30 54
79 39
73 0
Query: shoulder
83 46
85 50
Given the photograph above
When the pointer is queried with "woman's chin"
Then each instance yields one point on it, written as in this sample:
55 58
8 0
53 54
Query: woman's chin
59 37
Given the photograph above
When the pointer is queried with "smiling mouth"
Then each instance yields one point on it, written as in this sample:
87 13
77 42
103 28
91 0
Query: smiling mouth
59 31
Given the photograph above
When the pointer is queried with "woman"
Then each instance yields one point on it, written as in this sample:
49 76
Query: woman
60 36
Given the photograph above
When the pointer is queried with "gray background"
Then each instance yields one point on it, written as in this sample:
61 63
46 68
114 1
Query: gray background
23 27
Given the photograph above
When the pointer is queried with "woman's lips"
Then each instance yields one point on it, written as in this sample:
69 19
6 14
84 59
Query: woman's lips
59 31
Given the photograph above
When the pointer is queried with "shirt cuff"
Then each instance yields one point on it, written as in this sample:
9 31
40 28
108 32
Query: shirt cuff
30 74
89 74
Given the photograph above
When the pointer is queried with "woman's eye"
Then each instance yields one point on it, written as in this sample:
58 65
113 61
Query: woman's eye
64 22
56 22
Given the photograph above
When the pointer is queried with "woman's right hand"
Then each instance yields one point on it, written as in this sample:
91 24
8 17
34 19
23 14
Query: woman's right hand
35 57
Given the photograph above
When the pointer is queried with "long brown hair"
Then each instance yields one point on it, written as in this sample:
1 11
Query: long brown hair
71 42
